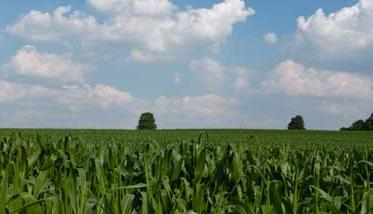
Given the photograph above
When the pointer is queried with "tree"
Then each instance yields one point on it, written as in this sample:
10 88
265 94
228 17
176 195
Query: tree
344 129
369 123
147 122
361 125
358 125
296 123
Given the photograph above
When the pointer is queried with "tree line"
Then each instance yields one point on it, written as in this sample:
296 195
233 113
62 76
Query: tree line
361 125
147 122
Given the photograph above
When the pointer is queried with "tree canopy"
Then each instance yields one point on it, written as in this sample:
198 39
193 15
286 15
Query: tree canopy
361 125
147 122
296 123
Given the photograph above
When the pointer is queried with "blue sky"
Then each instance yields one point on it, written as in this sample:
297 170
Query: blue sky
210 64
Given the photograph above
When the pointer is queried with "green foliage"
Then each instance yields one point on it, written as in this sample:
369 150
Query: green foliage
361 125
296 123
369 123
224 171
147 122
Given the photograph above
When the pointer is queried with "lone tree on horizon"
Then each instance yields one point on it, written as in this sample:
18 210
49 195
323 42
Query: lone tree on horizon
147 122
296 123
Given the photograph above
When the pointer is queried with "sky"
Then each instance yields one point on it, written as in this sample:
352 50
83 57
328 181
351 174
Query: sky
194 64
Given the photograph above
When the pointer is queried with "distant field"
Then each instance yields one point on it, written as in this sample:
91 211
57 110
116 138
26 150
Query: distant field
185 171
267 137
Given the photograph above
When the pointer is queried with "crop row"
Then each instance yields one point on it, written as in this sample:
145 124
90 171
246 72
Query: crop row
74 177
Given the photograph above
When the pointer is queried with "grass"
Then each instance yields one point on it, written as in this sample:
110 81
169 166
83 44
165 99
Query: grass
185 171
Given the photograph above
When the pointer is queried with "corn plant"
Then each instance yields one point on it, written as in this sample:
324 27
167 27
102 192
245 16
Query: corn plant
102 175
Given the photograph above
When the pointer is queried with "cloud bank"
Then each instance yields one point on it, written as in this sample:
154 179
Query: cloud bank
147 30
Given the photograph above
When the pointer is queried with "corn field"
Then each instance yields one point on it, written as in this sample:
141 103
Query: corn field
78 175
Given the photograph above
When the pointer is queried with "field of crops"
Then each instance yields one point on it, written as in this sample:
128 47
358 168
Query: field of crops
185 171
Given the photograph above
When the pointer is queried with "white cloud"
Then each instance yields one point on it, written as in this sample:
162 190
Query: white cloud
242 80
348 29
144 56
136 7
214 75
177 79
110 95
78 97
211 72
295 79
13 92
270 38
142 28
341 108
29 62
75 97
207 106
56 26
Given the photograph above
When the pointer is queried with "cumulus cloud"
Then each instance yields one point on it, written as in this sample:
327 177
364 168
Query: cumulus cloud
143 56
211 72
59 25
84 97
295 79
270 38
177 79
242 80
75 97
207 106
78 97
214 75
148 30
13 92
29 62
136 7
348 29
72 90
344 108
